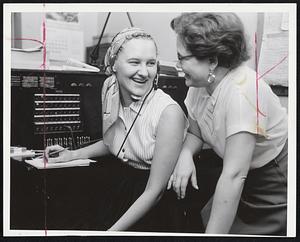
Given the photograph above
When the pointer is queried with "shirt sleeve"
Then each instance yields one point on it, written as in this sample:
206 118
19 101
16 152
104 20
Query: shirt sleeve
246 112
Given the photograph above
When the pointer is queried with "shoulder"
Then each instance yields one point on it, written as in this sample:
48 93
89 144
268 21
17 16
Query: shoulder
160 95
156 105
167 111
172 121
244 78
166 105
160 101
172 113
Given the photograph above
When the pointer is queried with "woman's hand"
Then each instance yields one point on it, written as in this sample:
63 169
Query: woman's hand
63 155
184 171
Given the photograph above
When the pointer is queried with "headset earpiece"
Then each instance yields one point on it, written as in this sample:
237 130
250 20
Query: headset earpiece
158 67
155 81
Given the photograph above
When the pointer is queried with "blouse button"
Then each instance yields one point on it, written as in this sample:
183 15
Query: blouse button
123 150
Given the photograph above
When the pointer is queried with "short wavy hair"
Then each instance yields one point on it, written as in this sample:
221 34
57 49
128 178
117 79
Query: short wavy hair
209 35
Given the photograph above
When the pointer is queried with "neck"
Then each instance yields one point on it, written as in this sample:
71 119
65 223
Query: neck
126 101
220 73
129 99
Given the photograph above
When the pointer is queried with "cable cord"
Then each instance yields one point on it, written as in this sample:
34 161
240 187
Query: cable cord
71 131
134 121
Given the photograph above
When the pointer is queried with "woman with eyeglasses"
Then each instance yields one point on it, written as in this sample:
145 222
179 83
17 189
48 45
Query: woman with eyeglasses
144 129
241 119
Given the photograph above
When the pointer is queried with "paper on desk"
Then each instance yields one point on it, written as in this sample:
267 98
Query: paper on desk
26 153
73 68
40 163
75 63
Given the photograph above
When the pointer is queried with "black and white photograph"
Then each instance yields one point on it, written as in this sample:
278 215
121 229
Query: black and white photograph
149 119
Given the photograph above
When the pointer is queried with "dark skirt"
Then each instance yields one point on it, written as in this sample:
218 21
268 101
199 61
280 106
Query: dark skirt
119 187
263 206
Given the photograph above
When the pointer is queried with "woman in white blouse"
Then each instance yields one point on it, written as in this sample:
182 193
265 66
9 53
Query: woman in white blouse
240 117
143 128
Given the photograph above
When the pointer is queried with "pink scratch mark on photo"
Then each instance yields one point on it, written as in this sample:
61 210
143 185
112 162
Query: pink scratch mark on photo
256 84
258 128
44 118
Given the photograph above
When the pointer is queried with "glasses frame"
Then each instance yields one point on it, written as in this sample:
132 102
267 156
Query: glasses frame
185 57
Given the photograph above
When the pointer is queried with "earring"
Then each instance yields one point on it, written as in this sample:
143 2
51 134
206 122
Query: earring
211 77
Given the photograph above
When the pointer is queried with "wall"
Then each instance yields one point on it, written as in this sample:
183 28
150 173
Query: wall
158 24
31 24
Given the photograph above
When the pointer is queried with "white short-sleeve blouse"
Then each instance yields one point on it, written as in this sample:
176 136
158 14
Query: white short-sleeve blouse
240 104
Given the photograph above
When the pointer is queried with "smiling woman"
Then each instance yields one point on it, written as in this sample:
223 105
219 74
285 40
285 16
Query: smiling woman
240 118
137 132
137 68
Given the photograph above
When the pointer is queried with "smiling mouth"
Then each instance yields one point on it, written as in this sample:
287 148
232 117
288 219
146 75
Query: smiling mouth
139 81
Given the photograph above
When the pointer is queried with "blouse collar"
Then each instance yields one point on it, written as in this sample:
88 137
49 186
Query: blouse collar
135 106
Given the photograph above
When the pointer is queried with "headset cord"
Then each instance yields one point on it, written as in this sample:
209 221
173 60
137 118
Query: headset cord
73 146
134 120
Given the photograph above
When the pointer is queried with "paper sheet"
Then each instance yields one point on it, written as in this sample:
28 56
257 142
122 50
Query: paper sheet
61 45
40 164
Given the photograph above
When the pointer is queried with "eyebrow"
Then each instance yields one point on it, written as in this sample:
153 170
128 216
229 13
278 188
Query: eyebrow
136 58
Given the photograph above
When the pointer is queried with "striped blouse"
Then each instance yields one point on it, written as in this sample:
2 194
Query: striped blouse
139 147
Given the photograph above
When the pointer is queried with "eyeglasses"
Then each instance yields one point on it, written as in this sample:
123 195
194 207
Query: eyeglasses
182 58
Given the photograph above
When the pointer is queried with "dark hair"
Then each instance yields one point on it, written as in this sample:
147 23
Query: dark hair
209 35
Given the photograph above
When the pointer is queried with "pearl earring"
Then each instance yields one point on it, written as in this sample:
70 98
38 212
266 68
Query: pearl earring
211 77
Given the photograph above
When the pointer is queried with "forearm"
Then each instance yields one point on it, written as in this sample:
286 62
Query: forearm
94 150
192 144
139 208
225 203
